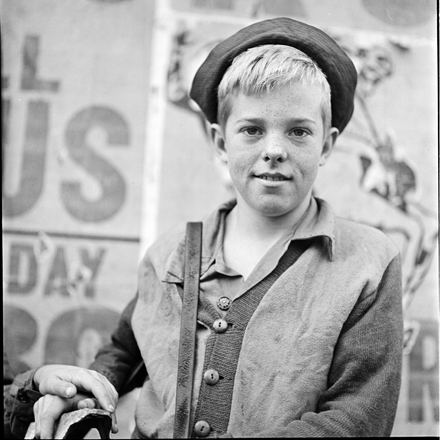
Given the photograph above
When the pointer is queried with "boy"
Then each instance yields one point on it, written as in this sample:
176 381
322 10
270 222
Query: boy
300 319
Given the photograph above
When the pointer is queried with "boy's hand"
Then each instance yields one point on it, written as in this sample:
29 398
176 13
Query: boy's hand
66 381
49 408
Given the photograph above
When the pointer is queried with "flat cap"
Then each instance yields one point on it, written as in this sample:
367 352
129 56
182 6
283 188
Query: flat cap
320 47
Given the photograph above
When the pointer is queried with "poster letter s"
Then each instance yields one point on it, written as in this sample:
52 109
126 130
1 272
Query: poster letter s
111 181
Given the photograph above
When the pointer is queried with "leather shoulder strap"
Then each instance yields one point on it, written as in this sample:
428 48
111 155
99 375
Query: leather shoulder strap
185 372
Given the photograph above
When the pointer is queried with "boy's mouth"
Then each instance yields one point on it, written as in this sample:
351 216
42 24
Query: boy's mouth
273 177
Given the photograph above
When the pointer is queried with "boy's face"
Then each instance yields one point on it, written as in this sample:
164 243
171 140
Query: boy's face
273 145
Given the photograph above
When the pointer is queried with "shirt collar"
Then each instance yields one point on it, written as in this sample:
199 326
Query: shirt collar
318 222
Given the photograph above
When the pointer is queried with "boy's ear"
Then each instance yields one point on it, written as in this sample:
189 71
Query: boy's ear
218 140
329 143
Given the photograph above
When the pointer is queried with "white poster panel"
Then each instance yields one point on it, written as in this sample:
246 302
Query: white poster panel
75 94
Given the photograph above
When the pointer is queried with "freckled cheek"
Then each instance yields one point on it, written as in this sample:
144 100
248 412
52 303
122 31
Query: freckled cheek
306 167
240 166
239 173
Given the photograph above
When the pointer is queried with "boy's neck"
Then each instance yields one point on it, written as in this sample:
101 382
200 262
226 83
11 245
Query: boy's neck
249 235
256 226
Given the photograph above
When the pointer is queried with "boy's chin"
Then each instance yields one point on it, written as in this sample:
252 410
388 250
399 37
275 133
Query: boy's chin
276 208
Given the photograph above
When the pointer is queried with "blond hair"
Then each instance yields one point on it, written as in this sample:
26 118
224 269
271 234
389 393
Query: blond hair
270 67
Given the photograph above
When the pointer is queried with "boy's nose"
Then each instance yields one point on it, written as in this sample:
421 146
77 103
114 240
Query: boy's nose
274 152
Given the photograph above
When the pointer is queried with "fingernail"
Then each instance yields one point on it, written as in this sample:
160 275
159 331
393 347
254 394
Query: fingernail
111 408
68 391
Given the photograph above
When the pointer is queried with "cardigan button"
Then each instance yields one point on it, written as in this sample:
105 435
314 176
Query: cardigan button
211 377
220 325
223 303
202 428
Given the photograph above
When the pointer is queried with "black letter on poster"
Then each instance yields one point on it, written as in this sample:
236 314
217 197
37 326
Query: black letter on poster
58 277
29 79
93 264
20 253
34 159
423 376
112 183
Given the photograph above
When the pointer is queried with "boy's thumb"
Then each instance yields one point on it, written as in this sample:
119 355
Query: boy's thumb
68 389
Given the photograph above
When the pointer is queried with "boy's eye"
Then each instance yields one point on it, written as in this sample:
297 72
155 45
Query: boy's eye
252 131
299 132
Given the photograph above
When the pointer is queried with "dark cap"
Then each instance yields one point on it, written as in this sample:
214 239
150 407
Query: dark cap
322 49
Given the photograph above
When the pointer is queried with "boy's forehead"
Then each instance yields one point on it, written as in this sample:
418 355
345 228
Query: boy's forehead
332 60
295 101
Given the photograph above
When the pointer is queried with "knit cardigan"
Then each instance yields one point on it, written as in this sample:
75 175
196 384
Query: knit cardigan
319 355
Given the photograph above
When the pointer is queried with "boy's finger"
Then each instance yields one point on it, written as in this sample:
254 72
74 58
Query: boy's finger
37 419
100 387
88 403
115 428
60 388
46 428
44 423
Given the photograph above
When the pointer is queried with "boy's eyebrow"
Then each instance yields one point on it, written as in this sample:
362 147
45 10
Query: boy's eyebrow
250 119
256 120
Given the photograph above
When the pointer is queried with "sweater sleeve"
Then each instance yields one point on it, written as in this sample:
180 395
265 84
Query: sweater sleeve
120 361
365 374
19 398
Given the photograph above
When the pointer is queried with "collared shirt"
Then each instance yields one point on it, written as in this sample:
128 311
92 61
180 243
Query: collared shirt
217 279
